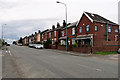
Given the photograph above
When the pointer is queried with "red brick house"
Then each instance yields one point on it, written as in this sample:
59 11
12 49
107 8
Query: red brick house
25 41
31 39
38 36
54 34
44 35
71 34
96 32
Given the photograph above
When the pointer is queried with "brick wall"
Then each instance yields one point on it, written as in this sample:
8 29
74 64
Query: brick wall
64 48
81 49
53 47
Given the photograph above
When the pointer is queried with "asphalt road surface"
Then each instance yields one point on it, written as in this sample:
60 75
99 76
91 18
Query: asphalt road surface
24 62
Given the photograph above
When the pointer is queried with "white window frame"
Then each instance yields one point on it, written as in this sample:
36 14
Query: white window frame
96 28
73 41
116 37
80 29
116 29
87 28
73 31
50 35
42 36
54 33
63 33
109 29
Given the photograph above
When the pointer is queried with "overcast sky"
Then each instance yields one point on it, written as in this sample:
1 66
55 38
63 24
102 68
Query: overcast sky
24 17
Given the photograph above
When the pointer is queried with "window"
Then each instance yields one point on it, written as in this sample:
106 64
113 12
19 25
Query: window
42 36
52 41
73 41
116 37
55 33
80 29
109 29
62 33
73 31
96 28
116 30
87 28
50 35
46 35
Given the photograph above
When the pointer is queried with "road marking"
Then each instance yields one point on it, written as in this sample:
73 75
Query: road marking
98 70
10 52
90 67
6 51
1 55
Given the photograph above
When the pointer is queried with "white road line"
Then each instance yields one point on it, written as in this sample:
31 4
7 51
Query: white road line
1 55
6 51
90 67
98 70
10 53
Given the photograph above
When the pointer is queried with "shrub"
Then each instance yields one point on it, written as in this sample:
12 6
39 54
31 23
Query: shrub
47 43
75 44
62 44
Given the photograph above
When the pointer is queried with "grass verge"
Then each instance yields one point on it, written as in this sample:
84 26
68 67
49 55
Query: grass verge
105 53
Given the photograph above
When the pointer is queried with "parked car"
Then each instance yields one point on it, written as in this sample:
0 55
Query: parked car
20 44
118 51
38 46
31 45
8 44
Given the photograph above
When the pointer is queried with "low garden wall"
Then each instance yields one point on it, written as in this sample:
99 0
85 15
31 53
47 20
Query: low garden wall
81 49
53 46
64 48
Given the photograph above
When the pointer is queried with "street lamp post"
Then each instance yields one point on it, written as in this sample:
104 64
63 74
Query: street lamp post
66 20
2 31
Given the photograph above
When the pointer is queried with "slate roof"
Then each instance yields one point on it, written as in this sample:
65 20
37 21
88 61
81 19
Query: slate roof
98 18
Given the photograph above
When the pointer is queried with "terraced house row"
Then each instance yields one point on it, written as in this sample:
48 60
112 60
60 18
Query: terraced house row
92 31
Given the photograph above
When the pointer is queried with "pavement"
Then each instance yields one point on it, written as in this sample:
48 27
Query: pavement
24 62
111 57
9 67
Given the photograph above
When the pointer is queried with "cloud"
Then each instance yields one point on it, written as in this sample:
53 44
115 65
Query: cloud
21 28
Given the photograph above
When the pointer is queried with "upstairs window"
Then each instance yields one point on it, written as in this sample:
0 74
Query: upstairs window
46 35
55 33
109 29
96 28
116 30
50 35
73 31
63 33
42 36
80 29
87 28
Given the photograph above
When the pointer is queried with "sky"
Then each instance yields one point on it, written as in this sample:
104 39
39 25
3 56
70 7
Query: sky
24 17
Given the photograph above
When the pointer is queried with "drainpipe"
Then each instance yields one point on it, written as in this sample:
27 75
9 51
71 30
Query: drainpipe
107 31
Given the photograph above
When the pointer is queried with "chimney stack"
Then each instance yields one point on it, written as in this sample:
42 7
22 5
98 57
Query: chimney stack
58 24
35 32
64 23
39 31
53 27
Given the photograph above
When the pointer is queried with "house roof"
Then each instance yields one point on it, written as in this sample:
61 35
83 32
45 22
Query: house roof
97 18
45 31
72 24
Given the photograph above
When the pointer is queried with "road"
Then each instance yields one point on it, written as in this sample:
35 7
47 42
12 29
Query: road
24 62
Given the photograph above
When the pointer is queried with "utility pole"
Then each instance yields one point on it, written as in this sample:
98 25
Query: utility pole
2 32
66 21
107 31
